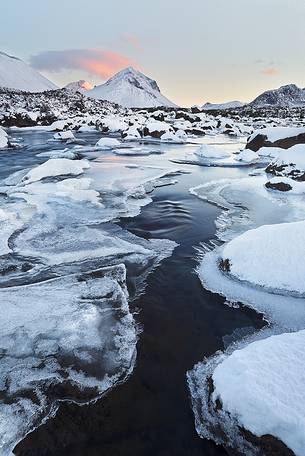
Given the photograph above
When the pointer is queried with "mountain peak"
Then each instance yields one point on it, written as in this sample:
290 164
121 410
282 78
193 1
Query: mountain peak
131 88
288 95
16 74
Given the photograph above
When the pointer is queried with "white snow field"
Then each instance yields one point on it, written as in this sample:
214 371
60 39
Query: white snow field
131 88
16 74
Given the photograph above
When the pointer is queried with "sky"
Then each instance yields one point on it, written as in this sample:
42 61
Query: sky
197 50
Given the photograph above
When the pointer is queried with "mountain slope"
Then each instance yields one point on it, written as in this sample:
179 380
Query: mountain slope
132 89
79 86
227 105
286 96
16 74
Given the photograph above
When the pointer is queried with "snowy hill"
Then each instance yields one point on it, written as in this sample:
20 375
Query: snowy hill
79 86
286 96
228 105
132 89
16 74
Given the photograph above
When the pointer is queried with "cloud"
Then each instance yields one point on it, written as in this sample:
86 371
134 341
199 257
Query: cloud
94 61
270 71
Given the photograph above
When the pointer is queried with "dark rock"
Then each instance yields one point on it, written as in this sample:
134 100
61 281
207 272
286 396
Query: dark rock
224 265
261 140
153 134
280 186
195 110
286 170
159 116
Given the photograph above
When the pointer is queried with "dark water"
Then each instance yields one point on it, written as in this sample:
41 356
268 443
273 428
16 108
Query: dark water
182 323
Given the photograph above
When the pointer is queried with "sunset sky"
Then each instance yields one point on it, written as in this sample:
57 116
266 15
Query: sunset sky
197 50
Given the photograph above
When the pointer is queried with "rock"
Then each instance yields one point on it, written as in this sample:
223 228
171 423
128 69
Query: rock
261 140
280 186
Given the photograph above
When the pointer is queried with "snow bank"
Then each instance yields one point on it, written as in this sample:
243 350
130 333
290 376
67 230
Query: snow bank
262 386
64 135
271 256
56 167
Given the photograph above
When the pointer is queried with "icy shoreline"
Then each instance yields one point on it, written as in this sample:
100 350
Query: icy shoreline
216 418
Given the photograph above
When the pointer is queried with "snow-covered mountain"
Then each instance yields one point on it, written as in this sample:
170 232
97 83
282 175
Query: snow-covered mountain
227 105
16 74
79 86
131 88
286 96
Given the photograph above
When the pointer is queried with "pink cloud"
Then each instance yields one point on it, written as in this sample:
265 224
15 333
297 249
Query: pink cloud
94 61
271 71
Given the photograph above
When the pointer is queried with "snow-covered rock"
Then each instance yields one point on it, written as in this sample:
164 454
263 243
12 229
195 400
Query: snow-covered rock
64 135
271 256
247 156
131 133
16 74
289 163
262 387
108 143
179 137
286 184
283 137
131 88
156 129
59 125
